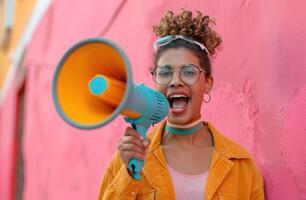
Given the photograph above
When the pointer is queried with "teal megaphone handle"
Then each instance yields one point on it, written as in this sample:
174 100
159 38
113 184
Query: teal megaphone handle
136 165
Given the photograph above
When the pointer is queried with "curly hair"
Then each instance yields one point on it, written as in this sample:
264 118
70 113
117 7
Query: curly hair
197 28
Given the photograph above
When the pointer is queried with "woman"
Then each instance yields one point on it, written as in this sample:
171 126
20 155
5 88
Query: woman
185 158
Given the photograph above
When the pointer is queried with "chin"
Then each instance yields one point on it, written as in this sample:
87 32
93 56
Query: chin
179 119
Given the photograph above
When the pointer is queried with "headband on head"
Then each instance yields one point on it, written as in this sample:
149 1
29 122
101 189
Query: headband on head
170 38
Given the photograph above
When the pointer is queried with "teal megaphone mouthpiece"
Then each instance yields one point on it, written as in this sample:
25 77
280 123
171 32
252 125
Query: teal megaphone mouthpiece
156 110
97 85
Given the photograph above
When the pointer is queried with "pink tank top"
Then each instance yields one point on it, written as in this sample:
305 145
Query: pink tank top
191 187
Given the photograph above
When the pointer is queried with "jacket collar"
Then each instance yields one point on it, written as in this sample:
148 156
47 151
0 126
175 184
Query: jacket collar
220 167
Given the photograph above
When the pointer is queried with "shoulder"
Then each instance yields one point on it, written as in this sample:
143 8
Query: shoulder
232 151
155 135
243 163
235 150
226 146
240 157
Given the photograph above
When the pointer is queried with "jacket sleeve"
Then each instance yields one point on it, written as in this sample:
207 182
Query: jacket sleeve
258 193
258 186
117 183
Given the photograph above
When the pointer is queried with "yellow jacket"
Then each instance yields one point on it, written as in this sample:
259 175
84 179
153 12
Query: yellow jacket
232 174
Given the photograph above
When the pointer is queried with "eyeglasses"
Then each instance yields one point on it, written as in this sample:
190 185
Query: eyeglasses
169 38
163 74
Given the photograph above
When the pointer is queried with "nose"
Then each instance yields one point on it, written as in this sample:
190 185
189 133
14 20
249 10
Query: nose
176 80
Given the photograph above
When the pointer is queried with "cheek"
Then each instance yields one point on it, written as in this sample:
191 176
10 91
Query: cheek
197 96
198 92
161 89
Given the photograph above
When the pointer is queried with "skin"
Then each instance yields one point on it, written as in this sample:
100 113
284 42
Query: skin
181 151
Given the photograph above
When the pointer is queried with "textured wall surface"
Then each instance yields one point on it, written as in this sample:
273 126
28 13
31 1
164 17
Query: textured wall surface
7 145
259 96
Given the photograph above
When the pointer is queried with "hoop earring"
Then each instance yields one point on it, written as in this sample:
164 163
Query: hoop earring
206 100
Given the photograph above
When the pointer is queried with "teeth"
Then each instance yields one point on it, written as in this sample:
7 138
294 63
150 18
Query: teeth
177 96
176 102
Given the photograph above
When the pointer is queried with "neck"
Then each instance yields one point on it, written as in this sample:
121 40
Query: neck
185 126
201 138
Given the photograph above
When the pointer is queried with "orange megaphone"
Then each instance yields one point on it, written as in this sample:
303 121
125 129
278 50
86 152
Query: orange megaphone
93 84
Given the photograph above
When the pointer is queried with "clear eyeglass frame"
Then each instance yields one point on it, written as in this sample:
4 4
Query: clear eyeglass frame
185 74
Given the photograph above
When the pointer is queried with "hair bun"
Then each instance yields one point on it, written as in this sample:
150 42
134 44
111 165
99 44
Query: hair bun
197 28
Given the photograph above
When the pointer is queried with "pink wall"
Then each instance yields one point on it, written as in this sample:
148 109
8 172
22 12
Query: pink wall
8 144
259 97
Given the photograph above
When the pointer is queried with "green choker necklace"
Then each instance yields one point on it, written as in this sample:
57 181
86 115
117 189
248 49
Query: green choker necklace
184 131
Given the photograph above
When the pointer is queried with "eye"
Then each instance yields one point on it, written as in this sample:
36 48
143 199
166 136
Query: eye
189 73
190 70
163 71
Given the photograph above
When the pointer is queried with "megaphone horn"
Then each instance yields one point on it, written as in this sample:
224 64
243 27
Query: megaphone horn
93 84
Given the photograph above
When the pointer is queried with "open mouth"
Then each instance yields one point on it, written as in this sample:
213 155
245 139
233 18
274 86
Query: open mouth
178 101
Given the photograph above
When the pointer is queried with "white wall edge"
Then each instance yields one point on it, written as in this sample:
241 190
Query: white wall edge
38 12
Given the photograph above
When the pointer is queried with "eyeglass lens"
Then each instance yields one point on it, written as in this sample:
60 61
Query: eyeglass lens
189 74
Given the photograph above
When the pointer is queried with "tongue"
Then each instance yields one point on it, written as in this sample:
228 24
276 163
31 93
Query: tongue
179 103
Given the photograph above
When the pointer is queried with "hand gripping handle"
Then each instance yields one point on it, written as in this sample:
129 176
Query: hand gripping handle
136 165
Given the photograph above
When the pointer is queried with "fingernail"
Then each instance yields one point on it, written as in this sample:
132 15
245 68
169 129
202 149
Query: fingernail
145 143
141 138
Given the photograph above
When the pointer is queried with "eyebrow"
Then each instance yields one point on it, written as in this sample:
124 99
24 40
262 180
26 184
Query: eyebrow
167 65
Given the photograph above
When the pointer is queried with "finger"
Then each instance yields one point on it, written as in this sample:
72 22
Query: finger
146 142
119 142
131 132
143 143
131 147
131 154
133 140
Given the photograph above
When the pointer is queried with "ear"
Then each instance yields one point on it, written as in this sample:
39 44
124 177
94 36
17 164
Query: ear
209 81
